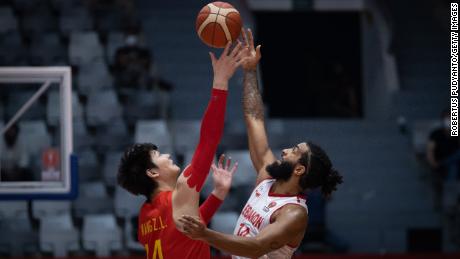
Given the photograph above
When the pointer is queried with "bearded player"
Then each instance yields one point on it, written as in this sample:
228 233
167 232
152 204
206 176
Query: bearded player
274 220
145 170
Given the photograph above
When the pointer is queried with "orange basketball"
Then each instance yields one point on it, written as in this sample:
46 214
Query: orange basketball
218 23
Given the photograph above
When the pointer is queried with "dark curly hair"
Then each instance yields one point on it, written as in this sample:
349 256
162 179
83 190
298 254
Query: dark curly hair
132 170
319 171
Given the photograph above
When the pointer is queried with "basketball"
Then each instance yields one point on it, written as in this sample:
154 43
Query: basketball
218 23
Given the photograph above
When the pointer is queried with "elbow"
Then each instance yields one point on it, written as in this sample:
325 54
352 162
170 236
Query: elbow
256 254
257 250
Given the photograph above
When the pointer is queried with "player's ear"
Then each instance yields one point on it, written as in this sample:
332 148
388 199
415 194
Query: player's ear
299 170
152 173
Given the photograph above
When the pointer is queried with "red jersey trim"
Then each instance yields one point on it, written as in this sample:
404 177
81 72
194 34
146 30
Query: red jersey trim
272 194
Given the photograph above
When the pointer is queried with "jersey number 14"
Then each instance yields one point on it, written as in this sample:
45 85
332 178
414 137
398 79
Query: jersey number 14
157 252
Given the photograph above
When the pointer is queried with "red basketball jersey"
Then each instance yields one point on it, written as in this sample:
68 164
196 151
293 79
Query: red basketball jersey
159 236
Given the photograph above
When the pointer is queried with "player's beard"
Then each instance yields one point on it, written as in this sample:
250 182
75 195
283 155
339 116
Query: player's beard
280 170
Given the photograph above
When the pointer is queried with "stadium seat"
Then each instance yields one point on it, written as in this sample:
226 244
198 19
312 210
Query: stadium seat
131 241
110 19
58 235
140 105
224 222
245 173
154 131
35 133
102 108
186 134
113 137
112 159
115 40
84 47
93 77
92 199
47 50
75 20
16 99
13 209
37 23
7 20
81 138
44 209
127 206
26 6
88 165
63 6
53 111
101 234
12 50
17 238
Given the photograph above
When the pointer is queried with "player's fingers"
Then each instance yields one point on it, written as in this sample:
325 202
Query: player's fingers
236 50
235 166
241 61
229 161
227 49
213 58
251 39
258 54
243 53
195 224
183 221
192 222
214 168
245 38
221 161
241 48
187 217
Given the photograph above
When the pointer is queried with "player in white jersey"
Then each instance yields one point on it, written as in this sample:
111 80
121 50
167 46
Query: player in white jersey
274 220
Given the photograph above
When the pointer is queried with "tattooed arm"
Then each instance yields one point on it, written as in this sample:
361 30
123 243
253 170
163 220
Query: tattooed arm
261 154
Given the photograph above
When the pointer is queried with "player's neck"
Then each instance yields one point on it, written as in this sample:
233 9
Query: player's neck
289 187
162 187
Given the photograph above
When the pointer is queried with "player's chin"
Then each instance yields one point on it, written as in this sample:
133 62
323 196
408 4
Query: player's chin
176 169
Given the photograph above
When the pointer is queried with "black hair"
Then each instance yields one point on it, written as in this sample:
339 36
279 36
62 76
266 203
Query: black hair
132 175
319 171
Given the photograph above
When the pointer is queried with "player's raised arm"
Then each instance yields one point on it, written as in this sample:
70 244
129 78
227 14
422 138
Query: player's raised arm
253 107
288 226
185 196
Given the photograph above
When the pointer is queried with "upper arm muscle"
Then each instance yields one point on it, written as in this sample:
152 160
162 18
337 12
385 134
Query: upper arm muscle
291 223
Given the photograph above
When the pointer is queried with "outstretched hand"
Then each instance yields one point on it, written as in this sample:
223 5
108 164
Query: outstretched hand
253 55
228 62
222 175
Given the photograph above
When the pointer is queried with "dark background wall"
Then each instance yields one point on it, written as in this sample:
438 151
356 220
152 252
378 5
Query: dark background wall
311 63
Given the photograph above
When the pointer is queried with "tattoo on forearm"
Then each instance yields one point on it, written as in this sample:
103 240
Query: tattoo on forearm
252 100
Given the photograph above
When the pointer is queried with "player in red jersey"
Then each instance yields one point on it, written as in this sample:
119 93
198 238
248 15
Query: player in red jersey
144 170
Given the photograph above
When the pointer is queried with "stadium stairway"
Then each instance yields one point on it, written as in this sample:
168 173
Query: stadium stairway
423 61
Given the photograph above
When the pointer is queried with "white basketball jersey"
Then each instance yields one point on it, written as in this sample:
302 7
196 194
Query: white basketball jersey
257 213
